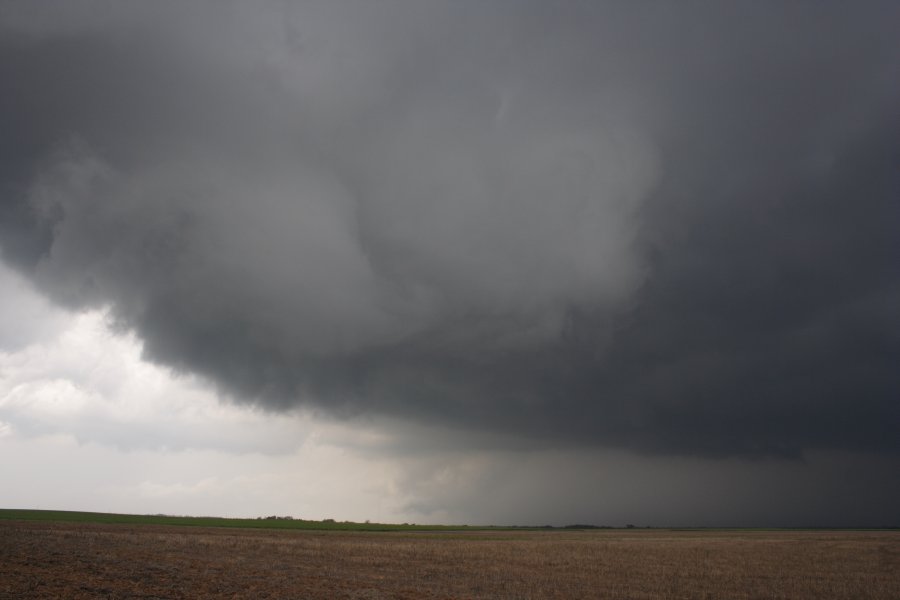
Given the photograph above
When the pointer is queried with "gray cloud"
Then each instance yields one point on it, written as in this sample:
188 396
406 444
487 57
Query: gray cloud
823 490
663 228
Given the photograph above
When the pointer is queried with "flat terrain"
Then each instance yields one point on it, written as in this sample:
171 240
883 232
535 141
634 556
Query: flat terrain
44 559
259 523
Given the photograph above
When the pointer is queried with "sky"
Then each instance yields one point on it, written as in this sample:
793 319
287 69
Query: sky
503 262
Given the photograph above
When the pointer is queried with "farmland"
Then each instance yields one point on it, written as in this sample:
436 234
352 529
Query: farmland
258 523
43 558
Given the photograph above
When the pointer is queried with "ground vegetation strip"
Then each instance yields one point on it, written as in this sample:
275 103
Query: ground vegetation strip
40 559
270 522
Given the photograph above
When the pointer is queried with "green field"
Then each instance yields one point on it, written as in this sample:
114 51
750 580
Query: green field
262 523
326 525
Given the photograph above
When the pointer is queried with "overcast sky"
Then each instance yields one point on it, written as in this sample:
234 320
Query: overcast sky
486 262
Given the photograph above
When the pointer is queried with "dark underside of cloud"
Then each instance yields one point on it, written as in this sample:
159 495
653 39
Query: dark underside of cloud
671 228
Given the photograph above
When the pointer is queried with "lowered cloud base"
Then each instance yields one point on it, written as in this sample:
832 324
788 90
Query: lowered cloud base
656 235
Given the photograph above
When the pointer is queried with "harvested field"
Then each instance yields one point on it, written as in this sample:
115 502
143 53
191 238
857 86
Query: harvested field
85 560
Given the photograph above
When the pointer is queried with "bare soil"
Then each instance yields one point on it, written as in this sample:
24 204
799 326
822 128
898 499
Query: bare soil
81 560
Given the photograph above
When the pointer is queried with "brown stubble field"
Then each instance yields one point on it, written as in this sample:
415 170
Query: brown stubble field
84 560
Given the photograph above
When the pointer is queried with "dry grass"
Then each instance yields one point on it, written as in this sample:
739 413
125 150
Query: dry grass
59 560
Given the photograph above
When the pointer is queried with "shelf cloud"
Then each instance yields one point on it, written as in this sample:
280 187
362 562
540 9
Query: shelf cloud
661 228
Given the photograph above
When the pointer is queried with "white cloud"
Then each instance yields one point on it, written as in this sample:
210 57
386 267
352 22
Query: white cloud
86 424
91 383
25 317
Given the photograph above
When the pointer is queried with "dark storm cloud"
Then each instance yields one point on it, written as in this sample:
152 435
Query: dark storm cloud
670 228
